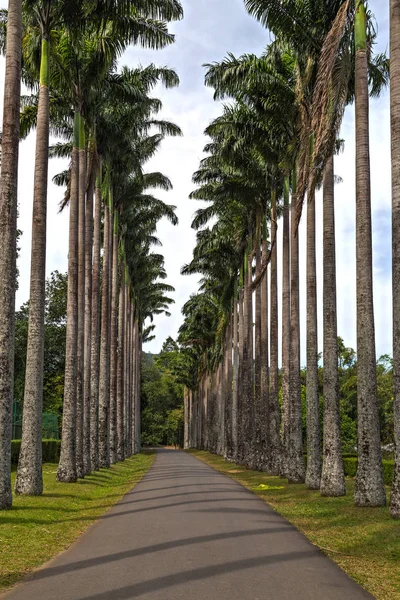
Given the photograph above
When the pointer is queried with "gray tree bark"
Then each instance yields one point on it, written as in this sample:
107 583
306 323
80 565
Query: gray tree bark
313 472
369 490
114 344
104 380
395 130
332 481
285 328
66 472
8 240
87 366
274 445
29 479
120 369
80 469
95 331
295 466
235 379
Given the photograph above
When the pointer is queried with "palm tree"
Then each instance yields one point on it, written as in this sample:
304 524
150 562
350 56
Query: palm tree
314 463
274 446
395 131
8 237
332 479
369 490
66 471
95 327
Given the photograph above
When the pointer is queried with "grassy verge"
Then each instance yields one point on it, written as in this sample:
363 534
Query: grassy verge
364 542
37 528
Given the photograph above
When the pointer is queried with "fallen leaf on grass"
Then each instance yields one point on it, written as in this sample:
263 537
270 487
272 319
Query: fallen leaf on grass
264 486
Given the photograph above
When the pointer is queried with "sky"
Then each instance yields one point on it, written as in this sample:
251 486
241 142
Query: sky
209 30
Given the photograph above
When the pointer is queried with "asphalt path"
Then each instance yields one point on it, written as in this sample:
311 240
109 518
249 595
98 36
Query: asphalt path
186 532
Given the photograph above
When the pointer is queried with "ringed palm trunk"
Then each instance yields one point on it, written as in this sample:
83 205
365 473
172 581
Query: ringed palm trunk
246 391
395 129
66 472
295 466
80 470
313 473
186 418
104 382
228 389
136 396
274 462
260 362
29 479
332 480
8 240
88 323
235 378
95 331
128 412
114 344
285 326
120 369
240 443
369 490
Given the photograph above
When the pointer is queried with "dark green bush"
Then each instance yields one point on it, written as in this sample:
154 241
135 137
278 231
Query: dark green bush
50 448
350 469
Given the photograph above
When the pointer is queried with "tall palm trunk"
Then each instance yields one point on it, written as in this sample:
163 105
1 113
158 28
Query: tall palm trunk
114 344
120 369
88 319
67 466
95 331
235 378
80 470
128 411
136 398
332 481
240 443
369 490
133 375
285 326
274 462
29 475
295 466
8 240
260 361
186 418
228 389
395 129
247 389
104 381
313 473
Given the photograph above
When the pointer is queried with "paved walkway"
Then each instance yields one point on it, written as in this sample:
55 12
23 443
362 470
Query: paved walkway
187 532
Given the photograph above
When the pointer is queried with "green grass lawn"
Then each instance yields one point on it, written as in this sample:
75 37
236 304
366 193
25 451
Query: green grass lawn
37 528
365 542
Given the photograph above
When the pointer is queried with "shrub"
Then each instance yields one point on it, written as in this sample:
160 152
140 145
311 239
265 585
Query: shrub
350 469
50 449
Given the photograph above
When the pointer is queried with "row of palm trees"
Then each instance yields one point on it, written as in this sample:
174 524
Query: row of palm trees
67 53
273 146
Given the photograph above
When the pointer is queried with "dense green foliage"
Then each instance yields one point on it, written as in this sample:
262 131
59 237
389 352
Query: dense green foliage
162 397
54 344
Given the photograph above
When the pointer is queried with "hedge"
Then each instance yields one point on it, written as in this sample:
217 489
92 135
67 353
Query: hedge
350 469
50 449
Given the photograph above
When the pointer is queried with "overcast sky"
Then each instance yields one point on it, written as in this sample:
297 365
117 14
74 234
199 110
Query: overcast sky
210 29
